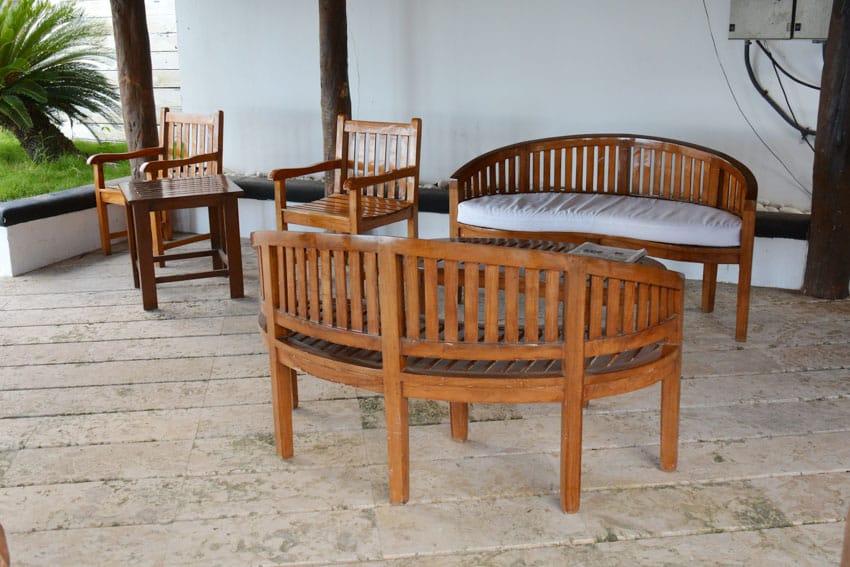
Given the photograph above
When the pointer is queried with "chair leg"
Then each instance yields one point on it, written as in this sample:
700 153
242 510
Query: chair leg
709 286
742 315
167 226
670 421
571 431
294 389
413 226
103 225
157 234
218 240
131 245
398 443
459 416
282 379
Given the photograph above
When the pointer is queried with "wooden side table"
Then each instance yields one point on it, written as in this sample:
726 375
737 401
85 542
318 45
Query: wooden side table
219 195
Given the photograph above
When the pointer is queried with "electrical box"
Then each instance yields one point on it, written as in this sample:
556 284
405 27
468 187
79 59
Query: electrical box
779 19
811 19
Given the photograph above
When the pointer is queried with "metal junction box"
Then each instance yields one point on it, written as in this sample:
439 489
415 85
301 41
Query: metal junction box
779 19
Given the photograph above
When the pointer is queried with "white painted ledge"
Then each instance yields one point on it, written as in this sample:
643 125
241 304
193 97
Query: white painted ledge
30 245
778 262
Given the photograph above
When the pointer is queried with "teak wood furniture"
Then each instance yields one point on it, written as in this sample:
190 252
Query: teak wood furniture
4 549
191 145
677 200
215 192
375 180
464 322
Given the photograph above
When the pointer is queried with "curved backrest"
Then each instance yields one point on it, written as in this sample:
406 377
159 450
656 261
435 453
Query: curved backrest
374 148
631 306
459 301
323 286
612 163
462 301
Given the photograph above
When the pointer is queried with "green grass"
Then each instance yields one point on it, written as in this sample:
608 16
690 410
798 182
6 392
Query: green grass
19 177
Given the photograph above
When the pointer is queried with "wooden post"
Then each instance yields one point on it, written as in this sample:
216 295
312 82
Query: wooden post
135 76
333 62
828 262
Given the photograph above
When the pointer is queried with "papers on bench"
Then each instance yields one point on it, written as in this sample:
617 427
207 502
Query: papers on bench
608 252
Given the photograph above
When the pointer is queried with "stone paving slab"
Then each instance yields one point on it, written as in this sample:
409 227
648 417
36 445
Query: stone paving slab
145 438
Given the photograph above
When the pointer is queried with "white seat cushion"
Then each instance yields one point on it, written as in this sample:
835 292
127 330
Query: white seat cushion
659 220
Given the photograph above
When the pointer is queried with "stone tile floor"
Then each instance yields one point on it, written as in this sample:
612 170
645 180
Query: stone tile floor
145 438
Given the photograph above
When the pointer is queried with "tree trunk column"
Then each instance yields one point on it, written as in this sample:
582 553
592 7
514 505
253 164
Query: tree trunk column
333 62
828 261
135 76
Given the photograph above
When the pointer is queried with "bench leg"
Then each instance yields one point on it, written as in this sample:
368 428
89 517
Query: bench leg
709 287
398 443
459 416
670 387
571 431
742 314
283 379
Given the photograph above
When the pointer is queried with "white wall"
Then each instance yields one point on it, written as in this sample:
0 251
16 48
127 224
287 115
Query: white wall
484 73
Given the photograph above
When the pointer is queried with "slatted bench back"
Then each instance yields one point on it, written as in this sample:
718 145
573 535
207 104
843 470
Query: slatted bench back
513 312
620 164
321 291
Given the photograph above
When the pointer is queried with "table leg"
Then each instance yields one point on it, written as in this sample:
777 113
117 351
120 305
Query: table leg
144 253
234 247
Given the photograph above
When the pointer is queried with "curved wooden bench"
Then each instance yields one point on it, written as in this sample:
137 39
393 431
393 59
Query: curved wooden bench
619 173
513 326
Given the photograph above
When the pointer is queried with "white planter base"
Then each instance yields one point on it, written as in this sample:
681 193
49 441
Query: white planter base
778 262
30 245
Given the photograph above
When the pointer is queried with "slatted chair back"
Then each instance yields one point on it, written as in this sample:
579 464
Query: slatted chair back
467 322
191 145
374 148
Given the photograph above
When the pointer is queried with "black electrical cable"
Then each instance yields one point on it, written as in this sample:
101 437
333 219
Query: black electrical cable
782 69
763 92
788 104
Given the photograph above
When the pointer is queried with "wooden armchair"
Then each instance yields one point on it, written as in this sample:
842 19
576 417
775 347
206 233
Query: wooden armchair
376 179
533 326
191 145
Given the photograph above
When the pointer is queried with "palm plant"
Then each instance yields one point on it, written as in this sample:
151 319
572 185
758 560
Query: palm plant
48 57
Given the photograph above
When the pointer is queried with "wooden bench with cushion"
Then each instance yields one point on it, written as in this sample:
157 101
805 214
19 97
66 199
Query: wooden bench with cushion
677 200
413 318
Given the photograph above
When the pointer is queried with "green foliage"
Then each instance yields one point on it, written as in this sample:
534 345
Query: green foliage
48 64
20 177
